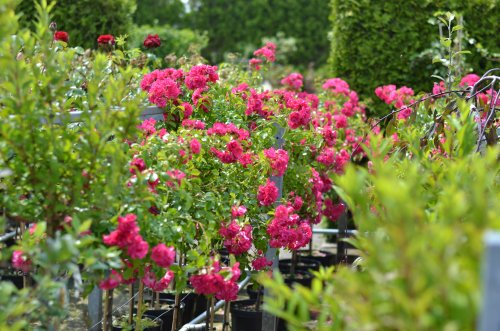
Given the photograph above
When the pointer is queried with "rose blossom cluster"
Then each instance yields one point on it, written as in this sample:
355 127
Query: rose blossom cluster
287 230
61 36
340 89
199 76
20 261
256 103
261 262
237 239
278 159
321 184
337 161
234 151
222 129
163 86
106 40
268 52
267 194
470 80
157 285
218 281
294 81
152 41
126 236
333 211
301 113
337 86
401 97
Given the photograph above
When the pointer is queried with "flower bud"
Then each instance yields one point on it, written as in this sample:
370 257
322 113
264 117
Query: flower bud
53 26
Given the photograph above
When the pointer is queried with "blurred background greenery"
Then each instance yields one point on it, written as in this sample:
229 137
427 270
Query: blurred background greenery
366 42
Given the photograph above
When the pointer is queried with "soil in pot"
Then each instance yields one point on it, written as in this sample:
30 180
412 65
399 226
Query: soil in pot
245 317
303 264
149 323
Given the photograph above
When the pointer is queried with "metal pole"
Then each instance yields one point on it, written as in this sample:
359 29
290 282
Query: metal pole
490 317
95 308
268 320
341 245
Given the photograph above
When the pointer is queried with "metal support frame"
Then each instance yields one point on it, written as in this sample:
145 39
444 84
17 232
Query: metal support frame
269 321
7 236
342 234
94 308
490 317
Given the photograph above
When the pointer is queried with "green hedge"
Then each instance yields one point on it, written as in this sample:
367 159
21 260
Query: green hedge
159 12
378 42
85 20
239 25
177 41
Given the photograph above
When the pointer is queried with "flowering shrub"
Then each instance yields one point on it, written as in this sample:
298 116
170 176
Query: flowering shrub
159 200
152 41
106 39
61 36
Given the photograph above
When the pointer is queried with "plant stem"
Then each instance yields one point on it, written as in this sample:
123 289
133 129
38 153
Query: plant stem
207 319
294 263
157 300
140 303
131 304
175 316
108 300
212 313
259 298
26 282
225 322
176 311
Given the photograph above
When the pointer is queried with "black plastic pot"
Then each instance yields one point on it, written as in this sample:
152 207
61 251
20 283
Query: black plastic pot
303 264
166 316
325 258
244 318
253 293
152 328
14 279
188 299
301 277
200 305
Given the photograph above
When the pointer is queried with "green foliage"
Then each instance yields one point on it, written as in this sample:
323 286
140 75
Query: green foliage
179 42
65 177
85 20
384 42
154 12
240 25
421 210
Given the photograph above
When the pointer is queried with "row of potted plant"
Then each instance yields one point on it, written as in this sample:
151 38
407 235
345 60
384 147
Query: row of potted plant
155 203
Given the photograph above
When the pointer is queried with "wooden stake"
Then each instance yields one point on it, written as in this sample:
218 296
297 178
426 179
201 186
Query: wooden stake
225 322
212 313
140 302
108 304
131 304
